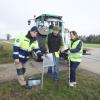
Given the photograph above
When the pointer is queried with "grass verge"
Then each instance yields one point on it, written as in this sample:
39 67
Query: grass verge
5 52
92 45
88 88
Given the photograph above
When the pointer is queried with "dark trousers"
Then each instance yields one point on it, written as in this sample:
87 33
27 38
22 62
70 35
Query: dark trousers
73 67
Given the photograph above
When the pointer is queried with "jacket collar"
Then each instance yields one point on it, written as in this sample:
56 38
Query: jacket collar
28 35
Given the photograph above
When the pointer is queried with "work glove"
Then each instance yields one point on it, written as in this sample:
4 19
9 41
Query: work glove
39 54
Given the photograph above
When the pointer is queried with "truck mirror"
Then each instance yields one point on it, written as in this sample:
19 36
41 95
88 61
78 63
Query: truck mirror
29 22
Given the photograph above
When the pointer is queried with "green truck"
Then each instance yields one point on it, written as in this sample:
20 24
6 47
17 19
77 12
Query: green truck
45 24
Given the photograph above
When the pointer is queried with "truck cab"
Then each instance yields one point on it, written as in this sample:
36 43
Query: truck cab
45 24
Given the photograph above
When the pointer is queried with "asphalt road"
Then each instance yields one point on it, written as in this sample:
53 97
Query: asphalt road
92 62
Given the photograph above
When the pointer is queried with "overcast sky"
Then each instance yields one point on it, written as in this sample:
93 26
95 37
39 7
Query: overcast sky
80 15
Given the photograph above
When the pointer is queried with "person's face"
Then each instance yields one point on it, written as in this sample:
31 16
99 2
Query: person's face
55 32
72 36
33 34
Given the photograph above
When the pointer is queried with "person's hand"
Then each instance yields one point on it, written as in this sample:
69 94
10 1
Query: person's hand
68 50
16 61
42 57
46 54
47 51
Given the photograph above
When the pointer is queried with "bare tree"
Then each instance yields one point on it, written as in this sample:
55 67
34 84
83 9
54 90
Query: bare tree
8 36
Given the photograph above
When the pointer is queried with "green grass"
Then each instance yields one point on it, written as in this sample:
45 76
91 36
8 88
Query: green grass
88 88
5 52
92 45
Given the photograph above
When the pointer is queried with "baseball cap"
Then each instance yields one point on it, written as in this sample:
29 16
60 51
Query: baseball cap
34 29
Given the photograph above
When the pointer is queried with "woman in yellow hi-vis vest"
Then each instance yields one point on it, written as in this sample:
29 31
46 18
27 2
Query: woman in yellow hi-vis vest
24 44
75 56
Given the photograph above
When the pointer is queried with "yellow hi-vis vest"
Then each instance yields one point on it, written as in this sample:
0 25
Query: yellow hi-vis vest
24 43
76 57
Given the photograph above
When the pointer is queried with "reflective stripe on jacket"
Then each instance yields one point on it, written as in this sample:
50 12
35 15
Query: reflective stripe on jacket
23 46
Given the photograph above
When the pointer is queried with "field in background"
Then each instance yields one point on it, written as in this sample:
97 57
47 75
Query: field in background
6 51
91 45
88 88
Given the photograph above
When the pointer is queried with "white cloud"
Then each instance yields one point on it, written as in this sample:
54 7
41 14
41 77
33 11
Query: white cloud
80 15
